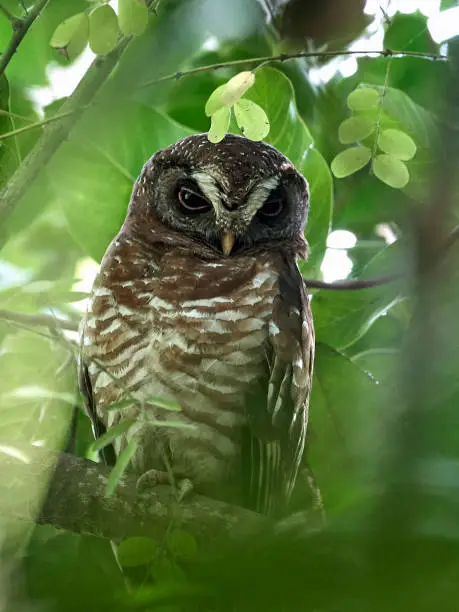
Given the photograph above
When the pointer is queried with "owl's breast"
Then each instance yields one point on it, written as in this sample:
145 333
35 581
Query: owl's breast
209 341
194 331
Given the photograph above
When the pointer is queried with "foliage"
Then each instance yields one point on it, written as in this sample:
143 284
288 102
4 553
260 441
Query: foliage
383 418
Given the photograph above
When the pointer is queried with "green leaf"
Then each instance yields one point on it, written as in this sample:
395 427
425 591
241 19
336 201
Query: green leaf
35 404
132 17
350 161
318 175
173 424
165 570
214 102
288 132
397 143
120 467
182 544
344 401
342 317
103 30
220 121
113 143
291 136
236 87
112 434
53 576
29 67
164 402
448 4
71 36
363 98
161 402
136 551
125 403
391 171
251 119
355 128
415 119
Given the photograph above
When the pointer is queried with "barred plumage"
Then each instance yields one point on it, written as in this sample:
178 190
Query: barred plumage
229 337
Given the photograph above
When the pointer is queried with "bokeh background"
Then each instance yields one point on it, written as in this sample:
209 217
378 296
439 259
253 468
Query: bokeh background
384 435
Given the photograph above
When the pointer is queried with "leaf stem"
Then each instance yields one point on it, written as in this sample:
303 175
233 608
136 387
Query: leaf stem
380 112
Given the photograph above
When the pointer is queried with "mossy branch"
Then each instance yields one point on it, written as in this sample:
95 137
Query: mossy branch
68 492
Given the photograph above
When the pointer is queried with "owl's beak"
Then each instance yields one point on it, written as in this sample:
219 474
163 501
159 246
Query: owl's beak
228 240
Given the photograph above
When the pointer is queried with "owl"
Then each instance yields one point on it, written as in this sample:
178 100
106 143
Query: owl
199 299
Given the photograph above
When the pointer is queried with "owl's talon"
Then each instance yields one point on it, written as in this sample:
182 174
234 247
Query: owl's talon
184 488
151 479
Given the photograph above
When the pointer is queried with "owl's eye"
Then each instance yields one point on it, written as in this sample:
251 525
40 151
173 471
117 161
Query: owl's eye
192 202
273 206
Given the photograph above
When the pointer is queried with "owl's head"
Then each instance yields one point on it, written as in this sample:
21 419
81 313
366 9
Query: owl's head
229 197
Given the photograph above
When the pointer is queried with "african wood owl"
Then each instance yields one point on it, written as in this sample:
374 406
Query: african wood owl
199 299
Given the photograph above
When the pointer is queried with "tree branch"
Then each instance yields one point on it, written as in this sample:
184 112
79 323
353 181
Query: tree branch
68 492
50 141
38 320
20 29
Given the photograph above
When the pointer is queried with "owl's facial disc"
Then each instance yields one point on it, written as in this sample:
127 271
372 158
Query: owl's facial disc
231 198
233 217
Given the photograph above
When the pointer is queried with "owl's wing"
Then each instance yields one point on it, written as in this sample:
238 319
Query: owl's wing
278 429
107 454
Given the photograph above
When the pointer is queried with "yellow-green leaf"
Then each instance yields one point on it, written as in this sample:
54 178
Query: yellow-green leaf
251 119
363 98
350 161
391 171
236 87
120 467
214 102
219 124
71 36
111 435
164 402
355 128
132 17
136 551
397 143
103 30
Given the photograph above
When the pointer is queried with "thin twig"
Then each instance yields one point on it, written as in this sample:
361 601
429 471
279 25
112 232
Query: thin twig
346 285
288 56
20 29
5 113
42 123
39 320
7 14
